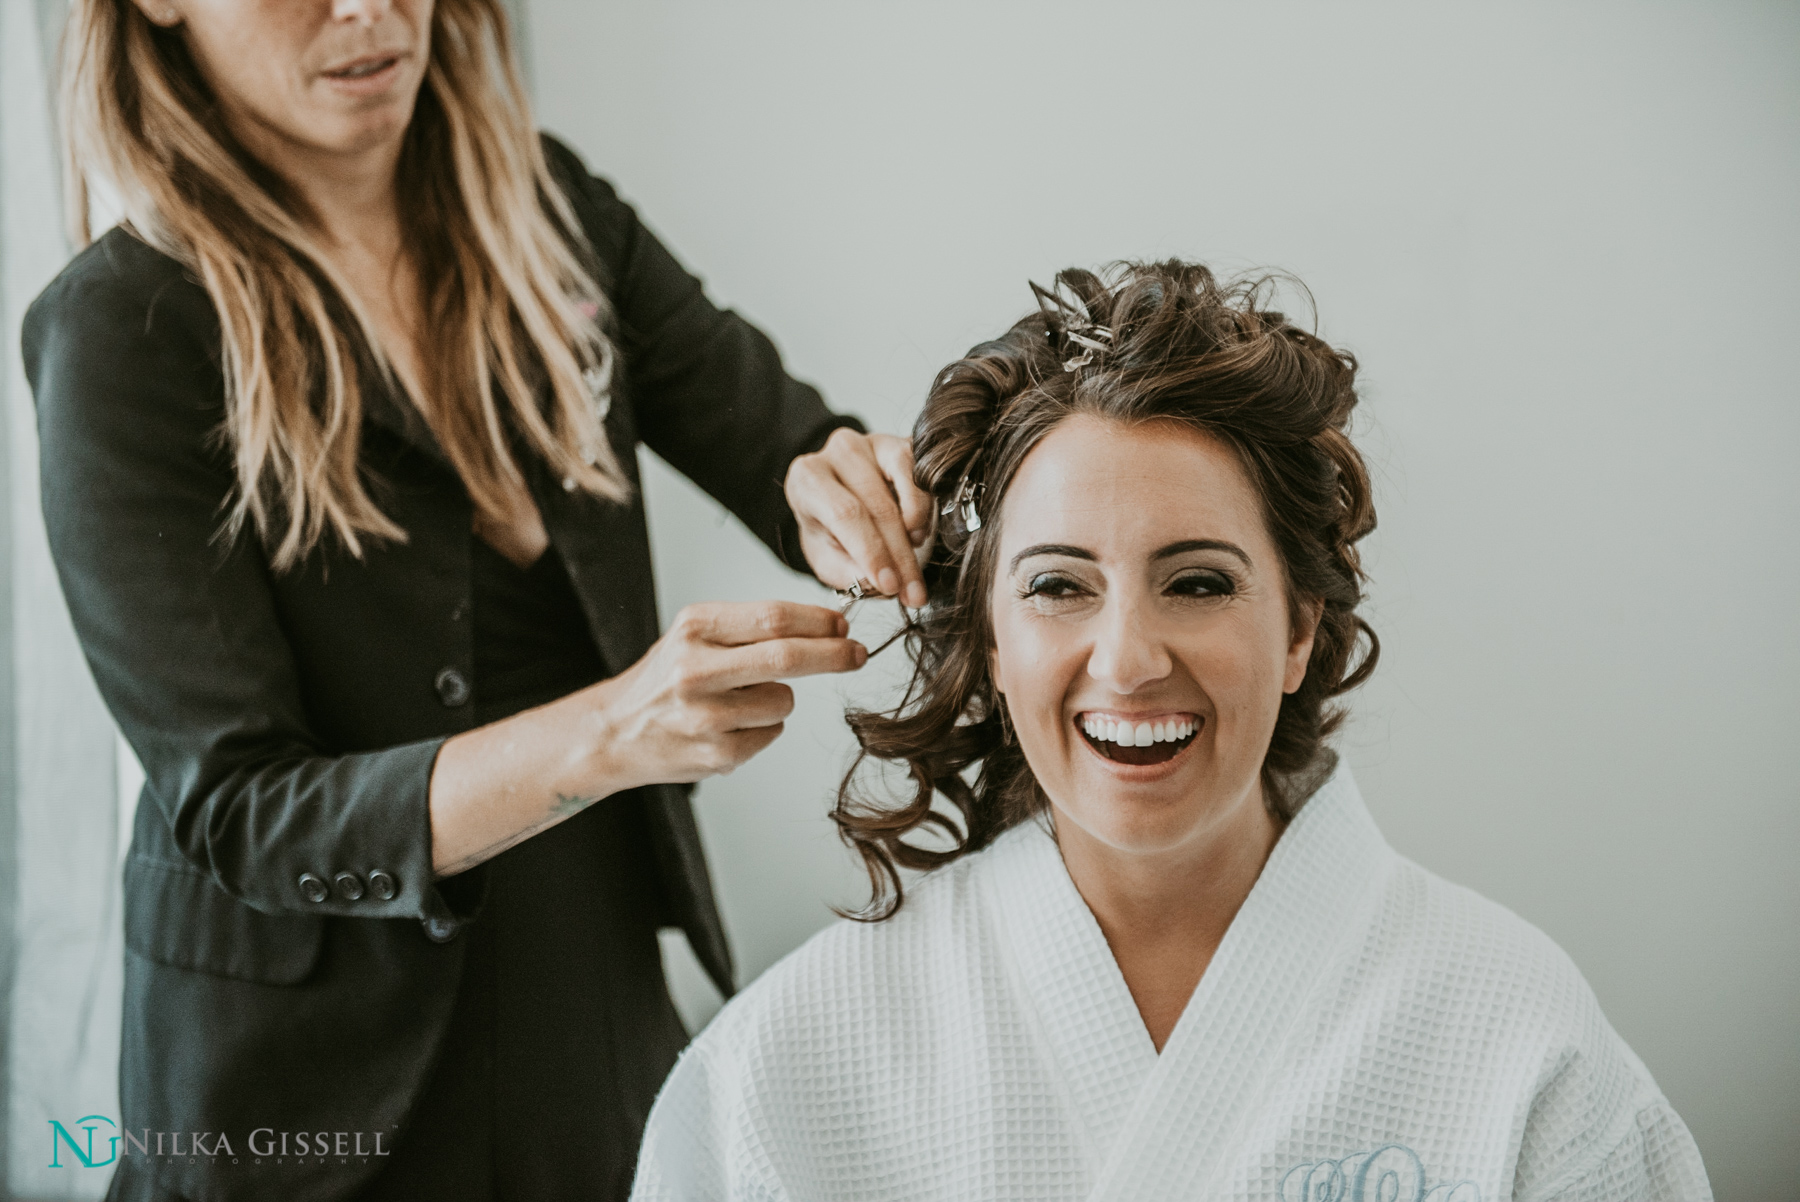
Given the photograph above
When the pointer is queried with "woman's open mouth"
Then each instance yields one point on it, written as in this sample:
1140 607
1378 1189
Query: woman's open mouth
1130 739
363 69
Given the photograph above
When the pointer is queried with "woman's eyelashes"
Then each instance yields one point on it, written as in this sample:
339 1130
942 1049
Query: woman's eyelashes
1188 583
1203 582
1050 585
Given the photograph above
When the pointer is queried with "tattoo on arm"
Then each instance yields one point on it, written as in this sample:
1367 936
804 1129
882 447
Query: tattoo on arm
567 804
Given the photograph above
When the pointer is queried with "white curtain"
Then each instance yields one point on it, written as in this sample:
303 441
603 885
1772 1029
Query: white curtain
61 862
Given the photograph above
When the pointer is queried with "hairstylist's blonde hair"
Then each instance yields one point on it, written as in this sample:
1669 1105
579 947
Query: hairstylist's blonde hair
507 296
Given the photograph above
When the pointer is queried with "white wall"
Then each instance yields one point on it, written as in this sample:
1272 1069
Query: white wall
62 1032
1562 240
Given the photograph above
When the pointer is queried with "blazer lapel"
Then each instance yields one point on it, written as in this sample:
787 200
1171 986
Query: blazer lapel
394 411
608 557
603 545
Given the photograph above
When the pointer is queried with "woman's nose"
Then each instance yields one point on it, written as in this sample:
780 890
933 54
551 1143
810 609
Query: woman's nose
1128 651
366 12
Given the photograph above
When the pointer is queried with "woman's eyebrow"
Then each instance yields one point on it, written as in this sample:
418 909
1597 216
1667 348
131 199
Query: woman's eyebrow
1049 549
1203 544
1186 544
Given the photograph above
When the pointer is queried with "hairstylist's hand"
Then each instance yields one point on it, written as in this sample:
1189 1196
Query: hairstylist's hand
708 695
861 514
700 702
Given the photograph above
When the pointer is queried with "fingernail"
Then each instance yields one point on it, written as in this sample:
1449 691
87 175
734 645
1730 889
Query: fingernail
889 581
862 655
916 595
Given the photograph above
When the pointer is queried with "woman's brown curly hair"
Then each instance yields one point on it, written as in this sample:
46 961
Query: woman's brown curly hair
1151 341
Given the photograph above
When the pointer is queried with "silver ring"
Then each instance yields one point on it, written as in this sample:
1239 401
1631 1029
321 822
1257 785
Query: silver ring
859 591
856 592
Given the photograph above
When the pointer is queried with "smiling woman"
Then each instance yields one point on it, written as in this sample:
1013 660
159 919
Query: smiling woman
1254 558
1166 952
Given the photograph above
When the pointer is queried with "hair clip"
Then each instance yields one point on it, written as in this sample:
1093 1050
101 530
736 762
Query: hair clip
963 504
1067 320
598 380
1101 341
862 591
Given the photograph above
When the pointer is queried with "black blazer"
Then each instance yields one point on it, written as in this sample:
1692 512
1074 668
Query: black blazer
288 723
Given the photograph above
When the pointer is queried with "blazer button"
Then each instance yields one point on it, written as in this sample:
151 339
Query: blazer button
440 930
452 687
313 888
383 885
349 886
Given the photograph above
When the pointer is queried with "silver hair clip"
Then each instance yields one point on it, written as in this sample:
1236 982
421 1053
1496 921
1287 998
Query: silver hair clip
598 380
963 504
1068 317
1101 341
862 591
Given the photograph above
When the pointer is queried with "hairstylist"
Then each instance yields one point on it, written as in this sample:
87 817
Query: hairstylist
338 443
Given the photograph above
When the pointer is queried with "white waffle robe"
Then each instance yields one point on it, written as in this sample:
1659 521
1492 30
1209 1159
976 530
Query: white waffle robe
1366 1031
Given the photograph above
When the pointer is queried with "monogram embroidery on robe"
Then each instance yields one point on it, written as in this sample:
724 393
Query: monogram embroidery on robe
1390 1174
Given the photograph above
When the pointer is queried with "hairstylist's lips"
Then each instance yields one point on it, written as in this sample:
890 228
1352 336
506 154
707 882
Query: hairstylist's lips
365 75
1138 739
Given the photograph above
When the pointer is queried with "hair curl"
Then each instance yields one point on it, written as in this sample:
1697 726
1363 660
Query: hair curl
1150 341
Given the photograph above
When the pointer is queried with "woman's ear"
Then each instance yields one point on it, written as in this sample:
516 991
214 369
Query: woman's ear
1307 613
160 12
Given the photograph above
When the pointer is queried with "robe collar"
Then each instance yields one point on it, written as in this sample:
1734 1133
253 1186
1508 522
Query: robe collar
1149 1121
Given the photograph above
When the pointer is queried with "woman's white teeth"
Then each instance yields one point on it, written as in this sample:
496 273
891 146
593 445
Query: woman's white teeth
362 69
1140 734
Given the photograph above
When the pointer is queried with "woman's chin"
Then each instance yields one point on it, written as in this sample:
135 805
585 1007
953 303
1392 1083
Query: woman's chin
1135 822
348 126
1130 834
1149 816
